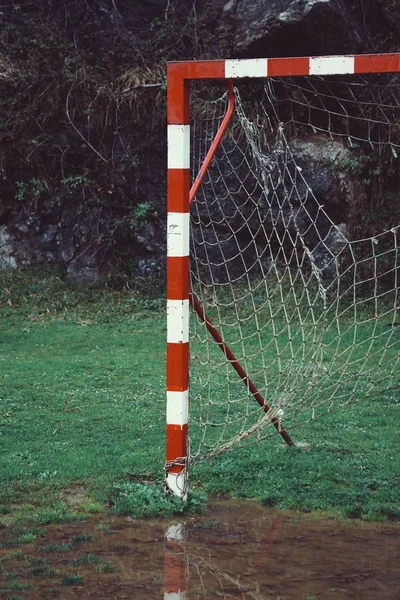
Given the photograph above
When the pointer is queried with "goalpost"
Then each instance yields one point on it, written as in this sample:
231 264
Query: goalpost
289 313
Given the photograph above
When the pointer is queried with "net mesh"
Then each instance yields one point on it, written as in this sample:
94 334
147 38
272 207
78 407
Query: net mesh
294 253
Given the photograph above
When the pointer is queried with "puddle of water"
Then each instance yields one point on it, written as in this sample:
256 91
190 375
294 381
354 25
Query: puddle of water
238 551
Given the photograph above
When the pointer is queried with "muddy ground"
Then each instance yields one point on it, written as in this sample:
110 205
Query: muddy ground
238 550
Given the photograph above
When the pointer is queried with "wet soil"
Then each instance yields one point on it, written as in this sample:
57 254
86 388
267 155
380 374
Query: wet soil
239 550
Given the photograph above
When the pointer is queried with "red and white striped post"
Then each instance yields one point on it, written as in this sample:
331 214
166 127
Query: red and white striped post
178 81
178 285
175 563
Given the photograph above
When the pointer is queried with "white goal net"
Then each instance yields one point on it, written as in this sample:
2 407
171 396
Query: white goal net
294 253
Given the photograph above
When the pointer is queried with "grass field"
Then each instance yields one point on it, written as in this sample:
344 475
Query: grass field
82 419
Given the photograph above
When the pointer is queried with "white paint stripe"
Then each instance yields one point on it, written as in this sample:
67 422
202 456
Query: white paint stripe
177 408
177 321
248 67
331 65
178 234
175 595
178 146
177 483
175 533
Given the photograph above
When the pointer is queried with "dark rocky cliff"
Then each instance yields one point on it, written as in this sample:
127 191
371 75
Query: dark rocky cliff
82 112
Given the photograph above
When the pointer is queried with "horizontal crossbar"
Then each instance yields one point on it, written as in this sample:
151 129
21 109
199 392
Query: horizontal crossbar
284 67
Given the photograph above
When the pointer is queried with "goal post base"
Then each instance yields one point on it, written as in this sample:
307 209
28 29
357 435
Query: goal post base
177 484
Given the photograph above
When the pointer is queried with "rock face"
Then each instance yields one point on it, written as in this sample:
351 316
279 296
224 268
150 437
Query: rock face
296 27
391 10
290 205
79 238
67 238
82 133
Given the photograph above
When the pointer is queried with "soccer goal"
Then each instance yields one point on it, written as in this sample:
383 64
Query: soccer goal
282 261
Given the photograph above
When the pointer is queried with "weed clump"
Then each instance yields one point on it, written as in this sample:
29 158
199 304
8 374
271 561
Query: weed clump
148 501
40 567
90 559
17 555
79 538
57 548
86 559
18 585
72 579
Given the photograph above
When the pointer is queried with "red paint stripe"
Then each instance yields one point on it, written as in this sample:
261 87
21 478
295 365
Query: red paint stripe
206 69
178 76
281 67
177 367
199 69
377 63
175 569
216 142
177 95
178 278
178 190
177 436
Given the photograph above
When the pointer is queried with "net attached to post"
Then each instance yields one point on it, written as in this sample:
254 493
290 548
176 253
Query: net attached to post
294 253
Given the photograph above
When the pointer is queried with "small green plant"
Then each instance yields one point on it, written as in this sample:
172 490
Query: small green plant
59 513
353 512
92 508
74 182
101 565
105 528
120 546
57 547
106 566
146 501
86 559
8 543
30 190
79 538
5 574
18 585
40 567
72 579
208 524
143 211
17 555
27 538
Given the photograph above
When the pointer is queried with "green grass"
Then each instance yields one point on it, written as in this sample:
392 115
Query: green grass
101 565
57 548
27 538
40 567
82 415
17 555
106 566
73 579
80 538
18 585
85 559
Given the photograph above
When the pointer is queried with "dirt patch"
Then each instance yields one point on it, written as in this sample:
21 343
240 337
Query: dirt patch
76 496
239 550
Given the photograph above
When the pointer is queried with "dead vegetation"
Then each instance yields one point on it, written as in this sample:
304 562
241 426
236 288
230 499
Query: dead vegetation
82 106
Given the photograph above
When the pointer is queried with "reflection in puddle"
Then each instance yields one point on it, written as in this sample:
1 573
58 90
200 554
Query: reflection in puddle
176 563
238 551
246 552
